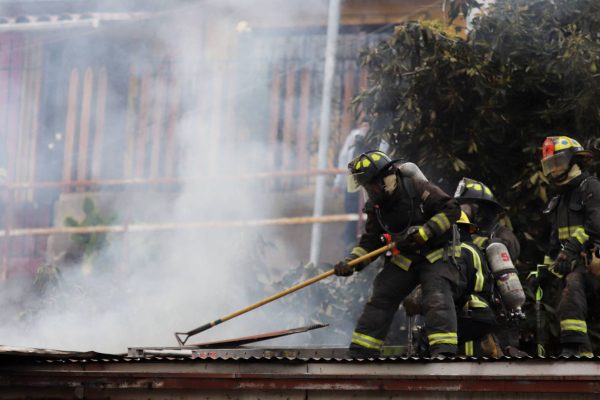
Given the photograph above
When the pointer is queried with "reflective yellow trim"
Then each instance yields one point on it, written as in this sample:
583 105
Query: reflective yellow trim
539 294
434 255
423 234
443 338
439 253
480 241
576 325
541 351
442 221
365 162
365 344
401 261
479 279
469 348
581 236
566 232
548 260
474 186
367 337
586 354
555 272
443 341
441 334
476 302
366 341
359 251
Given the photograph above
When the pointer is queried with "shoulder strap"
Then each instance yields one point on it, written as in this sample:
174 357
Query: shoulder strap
369 207
409 186
584 189
583 184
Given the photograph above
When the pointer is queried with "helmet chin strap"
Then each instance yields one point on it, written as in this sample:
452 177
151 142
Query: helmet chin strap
573 173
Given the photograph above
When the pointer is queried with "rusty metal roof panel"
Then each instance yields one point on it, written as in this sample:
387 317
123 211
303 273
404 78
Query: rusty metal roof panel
169 377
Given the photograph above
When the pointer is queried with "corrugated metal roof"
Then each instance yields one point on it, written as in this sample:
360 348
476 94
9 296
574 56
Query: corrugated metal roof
299 376
253 353
301 373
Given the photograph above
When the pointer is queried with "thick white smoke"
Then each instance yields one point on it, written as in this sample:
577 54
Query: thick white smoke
179 279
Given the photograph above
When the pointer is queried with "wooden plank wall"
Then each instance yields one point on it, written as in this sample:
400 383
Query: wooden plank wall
20 85
153 113
296 84
153 102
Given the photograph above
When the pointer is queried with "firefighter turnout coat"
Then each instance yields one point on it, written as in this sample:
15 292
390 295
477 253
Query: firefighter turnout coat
415 202
575 217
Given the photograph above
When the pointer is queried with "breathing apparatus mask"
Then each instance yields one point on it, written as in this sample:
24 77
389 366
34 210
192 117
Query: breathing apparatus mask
383 186
485 217
479 203
375 173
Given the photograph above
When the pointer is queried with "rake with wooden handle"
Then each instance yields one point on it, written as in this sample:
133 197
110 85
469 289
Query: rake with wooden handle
352 263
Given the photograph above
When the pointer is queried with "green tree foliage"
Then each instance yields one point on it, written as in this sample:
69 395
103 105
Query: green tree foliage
480 106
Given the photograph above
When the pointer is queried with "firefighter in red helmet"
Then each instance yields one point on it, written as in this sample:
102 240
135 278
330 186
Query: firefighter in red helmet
419 217
575 218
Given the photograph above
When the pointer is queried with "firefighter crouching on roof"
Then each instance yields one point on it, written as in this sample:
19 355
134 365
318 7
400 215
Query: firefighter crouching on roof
418 216
575 217
478 296
478 202
477 319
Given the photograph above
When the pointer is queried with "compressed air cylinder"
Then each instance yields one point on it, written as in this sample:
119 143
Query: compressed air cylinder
411 170
507 280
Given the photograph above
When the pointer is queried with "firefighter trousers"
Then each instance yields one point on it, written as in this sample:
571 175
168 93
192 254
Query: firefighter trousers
439 282
580 294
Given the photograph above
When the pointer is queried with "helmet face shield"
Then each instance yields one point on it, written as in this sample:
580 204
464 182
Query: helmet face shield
557 154
556 164
352 184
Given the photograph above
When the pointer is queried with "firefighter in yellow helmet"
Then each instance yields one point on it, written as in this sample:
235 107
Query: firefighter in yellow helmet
475 303
482 208
575 218
418 216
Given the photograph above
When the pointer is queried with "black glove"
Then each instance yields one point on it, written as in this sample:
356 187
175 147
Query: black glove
410 241
566 259
343 269
563 265
541 278
572 247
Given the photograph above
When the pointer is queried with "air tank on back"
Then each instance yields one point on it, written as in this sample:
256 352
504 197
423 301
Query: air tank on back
505 274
